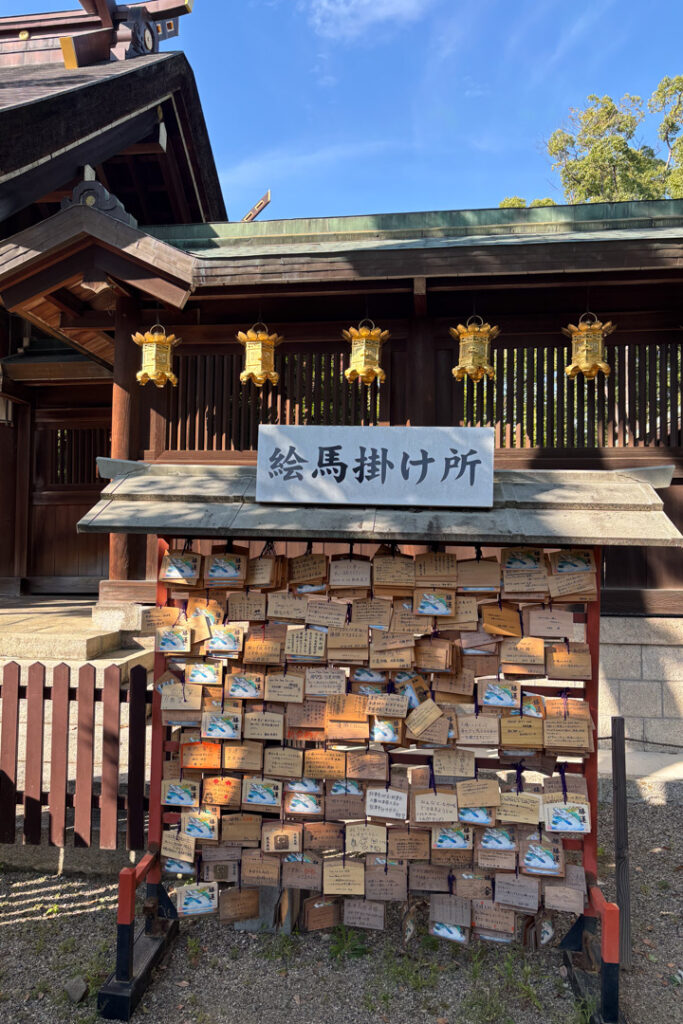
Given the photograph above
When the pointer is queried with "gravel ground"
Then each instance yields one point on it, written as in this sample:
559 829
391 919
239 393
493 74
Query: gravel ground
53 928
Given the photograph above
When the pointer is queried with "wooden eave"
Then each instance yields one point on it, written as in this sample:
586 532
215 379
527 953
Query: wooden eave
557 508
55 255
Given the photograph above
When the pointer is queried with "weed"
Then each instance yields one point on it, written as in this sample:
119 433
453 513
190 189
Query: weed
663 885
282 947
602 853
52 911
429 943
369 1003
584 1010
194 950
477 958
347 943
41 933
43 987
68 945
417 974
234 953
97 968
483 1006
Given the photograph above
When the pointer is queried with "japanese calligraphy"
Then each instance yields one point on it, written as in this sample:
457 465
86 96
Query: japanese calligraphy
402 466
287 466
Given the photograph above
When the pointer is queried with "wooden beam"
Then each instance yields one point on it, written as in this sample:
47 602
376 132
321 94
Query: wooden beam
122 269
122 440
61 273
29 184
66 302
420 296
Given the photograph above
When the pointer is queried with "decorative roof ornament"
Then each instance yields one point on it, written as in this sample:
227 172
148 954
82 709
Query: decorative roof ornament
157 356
366 350
103 30
588 346
259 355
474 355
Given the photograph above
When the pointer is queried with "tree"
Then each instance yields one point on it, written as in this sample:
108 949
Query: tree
600 159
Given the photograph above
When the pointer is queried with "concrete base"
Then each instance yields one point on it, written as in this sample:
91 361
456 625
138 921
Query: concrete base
654 778
271 918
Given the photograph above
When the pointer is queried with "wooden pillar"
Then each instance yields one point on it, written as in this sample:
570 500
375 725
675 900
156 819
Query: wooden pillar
123 416
24 460
420 394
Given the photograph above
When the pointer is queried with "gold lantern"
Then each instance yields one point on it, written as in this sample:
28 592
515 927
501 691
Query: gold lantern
588 346
366 349
474 356
259 355
157 356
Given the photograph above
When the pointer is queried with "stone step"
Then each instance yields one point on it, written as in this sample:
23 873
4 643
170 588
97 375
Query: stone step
57 644
125 658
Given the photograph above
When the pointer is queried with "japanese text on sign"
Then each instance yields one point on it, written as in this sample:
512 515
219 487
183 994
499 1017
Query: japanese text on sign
421 466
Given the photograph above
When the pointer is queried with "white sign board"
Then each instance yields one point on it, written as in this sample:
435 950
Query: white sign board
423 467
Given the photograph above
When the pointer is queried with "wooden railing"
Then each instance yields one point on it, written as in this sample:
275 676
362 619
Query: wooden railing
98 798
530 402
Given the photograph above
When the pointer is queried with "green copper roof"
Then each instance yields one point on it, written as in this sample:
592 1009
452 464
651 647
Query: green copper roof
326 233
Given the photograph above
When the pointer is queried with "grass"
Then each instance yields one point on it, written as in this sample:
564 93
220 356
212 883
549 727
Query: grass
347 943
282 947
98 967
194 950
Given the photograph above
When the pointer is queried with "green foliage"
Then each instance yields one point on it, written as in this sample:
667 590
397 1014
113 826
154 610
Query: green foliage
517 203
512 203
347 943
600 158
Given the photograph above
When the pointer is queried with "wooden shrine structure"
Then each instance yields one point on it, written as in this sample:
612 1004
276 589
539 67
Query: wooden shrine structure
126 226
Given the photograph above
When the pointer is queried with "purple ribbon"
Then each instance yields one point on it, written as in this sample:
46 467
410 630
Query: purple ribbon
562 769
349 608
476 700
451 879
432 777
519 781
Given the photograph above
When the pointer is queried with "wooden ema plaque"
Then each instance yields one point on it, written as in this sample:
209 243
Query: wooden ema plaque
357 746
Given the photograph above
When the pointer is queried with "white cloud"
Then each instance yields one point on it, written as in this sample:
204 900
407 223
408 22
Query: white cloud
274 166
569 40
349 19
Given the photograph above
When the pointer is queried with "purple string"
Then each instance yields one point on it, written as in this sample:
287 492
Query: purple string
521 621
451 879
432 777
386 855
562 769
349 609
344 848
519 781
565 703
476 700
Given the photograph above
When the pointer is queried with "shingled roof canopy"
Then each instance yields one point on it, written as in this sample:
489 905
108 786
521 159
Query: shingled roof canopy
551 507
109 116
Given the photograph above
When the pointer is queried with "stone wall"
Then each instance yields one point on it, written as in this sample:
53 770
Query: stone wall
641 678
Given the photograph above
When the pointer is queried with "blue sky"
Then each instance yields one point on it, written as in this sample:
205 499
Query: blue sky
366 106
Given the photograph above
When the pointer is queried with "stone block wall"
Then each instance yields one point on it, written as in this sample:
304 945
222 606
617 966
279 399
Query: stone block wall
641 678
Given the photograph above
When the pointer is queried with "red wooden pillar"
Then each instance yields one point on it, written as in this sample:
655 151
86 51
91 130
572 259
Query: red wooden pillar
123 416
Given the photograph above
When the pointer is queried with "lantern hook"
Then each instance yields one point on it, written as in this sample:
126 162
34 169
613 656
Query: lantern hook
475 318
587 314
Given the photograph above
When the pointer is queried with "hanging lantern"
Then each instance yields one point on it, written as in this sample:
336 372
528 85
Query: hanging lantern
474 356
366 350
259 355
157 356
588 346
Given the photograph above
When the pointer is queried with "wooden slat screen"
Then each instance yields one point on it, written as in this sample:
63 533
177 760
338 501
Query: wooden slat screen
533 404
70 455
211 410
